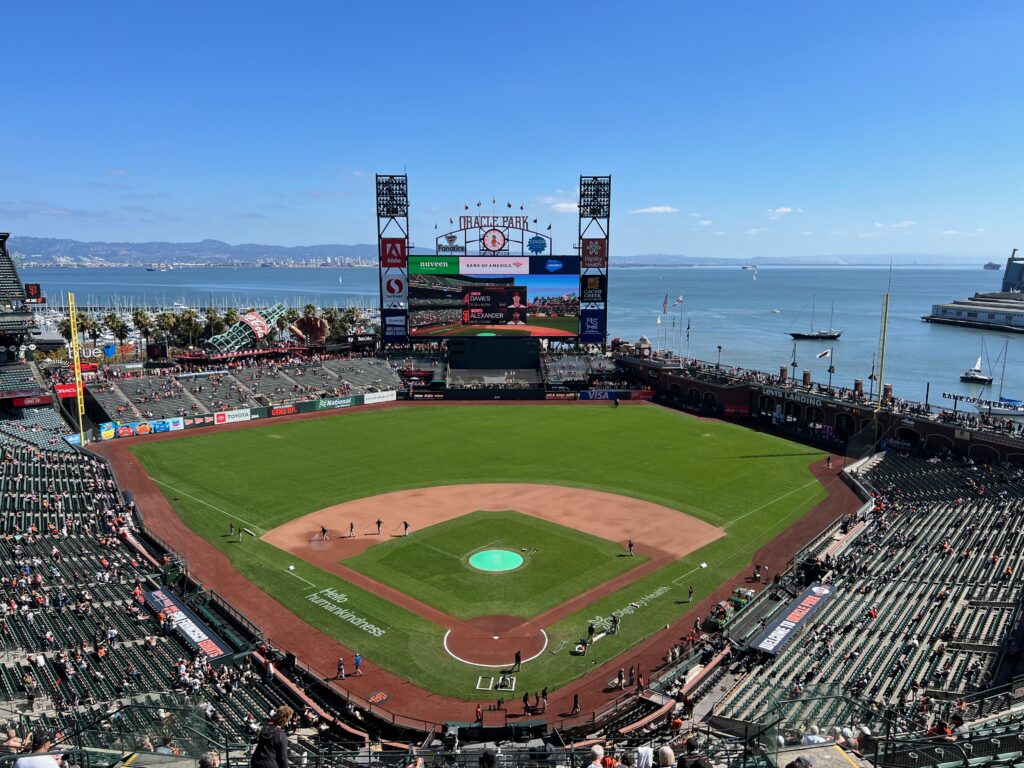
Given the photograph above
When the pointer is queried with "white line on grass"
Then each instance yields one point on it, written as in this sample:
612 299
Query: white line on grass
208 504
293 573
769 503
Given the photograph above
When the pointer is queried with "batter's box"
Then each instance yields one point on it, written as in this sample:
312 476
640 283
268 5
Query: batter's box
484 683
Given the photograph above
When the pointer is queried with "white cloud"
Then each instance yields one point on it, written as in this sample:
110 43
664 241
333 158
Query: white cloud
705 222
778 213
903 224
805 234
879 226
561 201
118 172
950 232
754 231
719 232
695 215
980 231
656 209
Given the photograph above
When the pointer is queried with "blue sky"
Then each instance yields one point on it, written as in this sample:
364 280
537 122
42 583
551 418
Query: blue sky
729 129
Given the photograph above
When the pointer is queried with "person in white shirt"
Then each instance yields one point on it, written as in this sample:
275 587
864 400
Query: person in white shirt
37 759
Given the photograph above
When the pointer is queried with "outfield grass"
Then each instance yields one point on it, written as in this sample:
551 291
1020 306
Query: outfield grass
752 485
432 565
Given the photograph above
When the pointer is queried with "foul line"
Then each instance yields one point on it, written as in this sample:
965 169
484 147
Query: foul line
769 503
493 666
208 504
293 573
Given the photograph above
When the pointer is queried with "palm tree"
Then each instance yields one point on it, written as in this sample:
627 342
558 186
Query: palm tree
279 325
143 323
331 315
165 323
64 328
309 310
188 325
214 323
90 327
230 316
120 330
292 314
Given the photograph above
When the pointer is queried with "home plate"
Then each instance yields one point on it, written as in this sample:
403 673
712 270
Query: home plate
495 637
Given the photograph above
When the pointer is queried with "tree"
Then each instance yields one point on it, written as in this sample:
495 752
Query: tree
143 323
279 325
188 326
89 326
214 323
64 328
309 310
230 316
165 323
292 314
120 330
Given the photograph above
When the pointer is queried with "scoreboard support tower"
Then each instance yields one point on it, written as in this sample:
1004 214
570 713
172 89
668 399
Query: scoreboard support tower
595 210
393 256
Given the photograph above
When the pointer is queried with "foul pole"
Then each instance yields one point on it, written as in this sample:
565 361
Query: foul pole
76 359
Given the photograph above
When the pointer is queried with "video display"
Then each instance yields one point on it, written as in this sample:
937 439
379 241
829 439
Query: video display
494 296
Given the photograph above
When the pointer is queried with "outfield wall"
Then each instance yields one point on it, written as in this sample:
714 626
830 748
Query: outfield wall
110 430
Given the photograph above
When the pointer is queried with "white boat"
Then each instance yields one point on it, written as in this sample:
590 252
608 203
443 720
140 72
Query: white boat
974 375
1003 406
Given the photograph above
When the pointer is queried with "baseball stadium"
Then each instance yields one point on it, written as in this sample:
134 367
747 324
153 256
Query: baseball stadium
480 532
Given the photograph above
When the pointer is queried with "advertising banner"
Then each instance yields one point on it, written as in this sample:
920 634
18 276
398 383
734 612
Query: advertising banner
393 253
197 635
34 294
594 253
395 325
65 391
205 420
175 424
379 397
494 305
603 394
494 265
784 627
256 322
593 325
593 289
231 417
554 265
328 403
283 410
73 439
433 265
107 431
395 289
24 402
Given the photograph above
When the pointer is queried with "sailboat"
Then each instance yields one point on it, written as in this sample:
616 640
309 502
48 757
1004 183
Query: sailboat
1013 409
974 375
816 335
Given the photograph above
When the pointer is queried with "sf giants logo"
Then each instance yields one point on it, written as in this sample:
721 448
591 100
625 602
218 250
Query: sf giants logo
392 253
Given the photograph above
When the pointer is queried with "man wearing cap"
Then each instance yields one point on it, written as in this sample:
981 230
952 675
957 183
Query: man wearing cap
801 762
37 759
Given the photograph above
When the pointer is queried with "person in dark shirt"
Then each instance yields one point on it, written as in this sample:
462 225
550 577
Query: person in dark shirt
272 743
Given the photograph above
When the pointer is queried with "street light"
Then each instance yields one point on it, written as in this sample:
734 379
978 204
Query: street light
718 362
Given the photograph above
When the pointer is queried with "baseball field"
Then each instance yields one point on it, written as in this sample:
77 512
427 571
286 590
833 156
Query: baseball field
556 491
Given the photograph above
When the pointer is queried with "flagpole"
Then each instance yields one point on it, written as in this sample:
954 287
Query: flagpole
687 336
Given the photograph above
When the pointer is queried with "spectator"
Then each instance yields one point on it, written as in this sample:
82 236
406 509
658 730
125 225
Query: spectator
37 759
272 744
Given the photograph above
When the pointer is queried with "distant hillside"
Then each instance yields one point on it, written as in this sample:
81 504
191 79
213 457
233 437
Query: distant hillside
48 250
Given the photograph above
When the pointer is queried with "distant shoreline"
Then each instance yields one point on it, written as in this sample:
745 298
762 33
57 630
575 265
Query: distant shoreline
615 265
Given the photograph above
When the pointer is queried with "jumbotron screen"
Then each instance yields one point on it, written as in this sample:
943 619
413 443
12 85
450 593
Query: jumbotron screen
494 296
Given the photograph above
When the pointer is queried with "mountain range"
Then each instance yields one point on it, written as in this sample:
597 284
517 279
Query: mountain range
48 251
